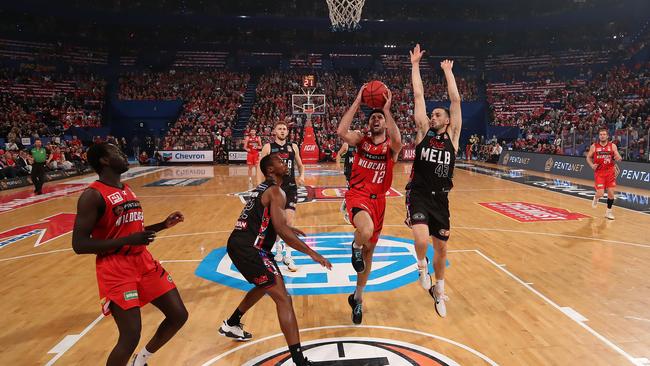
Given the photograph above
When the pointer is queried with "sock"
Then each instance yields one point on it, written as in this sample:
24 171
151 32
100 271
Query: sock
287 253
235 318
356 246
141 358
358 293
610 202
296 354
440 286
422 263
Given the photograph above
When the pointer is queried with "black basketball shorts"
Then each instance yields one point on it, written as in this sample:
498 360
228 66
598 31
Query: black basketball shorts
291 191
431 209
256 265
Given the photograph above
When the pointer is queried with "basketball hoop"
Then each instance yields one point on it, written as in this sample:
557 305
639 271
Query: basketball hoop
345 14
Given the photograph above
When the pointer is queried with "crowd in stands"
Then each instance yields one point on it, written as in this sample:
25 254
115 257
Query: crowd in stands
211 102
40 104
274 103
16 160
564 117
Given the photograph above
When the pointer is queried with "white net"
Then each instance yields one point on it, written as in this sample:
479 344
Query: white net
345 14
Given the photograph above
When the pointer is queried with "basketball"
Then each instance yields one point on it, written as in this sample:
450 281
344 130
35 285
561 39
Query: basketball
373 94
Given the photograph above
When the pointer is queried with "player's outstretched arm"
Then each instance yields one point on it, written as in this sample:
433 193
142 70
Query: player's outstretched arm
391 127
277 201
455 118
420 110
171 220
352 138
88 212
259 176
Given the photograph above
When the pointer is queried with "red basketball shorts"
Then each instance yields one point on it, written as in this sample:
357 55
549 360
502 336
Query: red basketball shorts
252 158
374 205
605 179
131 280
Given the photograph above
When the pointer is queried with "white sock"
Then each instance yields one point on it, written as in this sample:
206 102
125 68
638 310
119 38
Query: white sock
422 263
440 286
142 357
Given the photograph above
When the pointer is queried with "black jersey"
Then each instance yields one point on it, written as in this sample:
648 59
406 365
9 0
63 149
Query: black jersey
254 226
288 156
349 159
433 166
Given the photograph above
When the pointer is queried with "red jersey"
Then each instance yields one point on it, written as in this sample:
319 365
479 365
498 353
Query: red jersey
122 216
254 144
372 168
604 156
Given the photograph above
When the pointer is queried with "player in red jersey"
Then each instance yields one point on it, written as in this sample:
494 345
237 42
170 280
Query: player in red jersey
252 145
602 158
110 224
371 177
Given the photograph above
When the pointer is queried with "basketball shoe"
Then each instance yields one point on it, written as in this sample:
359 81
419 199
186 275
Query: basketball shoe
440 299
235 332
609 214
594 202
357 309
291 265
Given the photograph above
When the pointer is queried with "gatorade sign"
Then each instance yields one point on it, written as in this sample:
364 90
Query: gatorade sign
309 151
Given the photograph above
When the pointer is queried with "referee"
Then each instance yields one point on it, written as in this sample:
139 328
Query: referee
38 168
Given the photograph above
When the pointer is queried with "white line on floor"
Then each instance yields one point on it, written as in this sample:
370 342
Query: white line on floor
68 341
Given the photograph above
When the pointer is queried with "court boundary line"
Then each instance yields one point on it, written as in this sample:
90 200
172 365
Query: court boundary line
635 361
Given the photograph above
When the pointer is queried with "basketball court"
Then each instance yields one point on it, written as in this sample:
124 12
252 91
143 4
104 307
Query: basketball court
535 276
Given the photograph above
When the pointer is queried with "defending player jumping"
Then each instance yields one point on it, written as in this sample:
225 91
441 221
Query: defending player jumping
427 203
249 247
370 178
110 224
602 158
290 155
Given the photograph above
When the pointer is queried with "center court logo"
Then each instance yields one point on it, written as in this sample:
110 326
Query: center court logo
357 351
394 266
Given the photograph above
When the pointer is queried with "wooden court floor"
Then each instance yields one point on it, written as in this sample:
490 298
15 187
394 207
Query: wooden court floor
568 292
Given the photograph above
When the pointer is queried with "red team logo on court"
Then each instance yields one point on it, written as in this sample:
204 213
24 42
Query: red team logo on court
532 212
47 229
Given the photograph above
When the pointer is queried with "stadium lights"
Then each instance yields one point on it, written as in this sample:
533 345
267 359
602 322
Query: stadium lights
390 46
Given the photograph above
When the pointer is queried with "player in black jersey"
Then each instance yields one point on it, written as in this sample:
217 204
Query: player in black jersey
290 154
249 247
427 204
346 152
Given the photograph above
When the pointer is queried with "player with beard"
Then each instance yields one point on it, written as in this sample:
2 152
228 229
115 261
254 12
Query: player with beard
252 144
427 203
371 176
110 224
290 155
602 158
249 247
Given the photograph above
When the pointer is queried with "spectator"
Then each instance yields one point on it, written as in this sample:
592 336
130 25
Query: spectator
39 154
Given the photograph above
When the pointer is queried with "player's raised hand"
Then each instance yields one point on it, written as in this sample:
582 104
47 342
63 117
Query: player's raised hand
322 260
141 238
388 95
174 218
416 54
447 65
360 94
